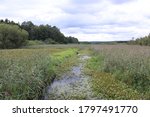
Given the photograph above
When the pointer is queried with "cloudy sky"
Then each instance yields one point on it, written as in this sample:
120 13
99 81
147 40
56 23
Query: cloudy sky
88 20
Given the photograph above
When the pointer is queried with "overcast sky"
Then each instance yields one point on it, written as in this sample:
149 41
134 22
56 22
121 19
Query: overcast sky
88 20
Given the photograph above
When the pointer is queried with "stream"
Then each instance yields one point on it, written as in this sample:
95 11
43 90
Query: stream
73 85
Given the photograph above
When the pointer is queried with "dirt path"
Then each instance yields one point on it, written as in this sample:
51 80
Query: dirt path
72 85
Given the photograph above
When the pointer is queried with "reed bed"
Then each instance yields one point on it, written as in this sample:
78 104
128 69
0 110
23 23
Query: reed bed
128 64
25 72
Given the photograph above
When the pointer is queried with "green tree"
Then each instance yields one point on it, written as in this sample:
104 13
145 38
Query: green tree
29 27
72 39
141 41
46 33
11 36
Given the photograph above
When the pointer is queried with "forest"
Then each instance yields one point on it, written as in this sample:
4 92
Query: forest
15 35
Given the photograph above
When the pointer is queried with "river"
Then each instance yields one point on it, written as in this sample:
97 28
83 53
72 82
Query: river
73 85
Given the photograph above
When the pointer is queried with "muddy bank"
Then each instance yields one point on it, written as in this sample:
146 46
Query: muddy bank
72 85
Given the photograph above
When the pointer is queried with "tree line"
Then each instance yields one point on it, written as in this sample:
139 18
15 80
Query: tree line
11 35
14 35
141 41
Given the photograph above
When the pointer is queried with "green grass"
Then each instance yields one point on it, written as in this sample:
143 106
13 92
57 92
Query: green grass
24 73
128 66
105 85
117 71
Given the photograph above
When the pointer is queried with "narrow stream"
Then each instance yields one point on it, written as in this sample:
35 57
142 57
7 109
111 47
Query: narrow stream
72 85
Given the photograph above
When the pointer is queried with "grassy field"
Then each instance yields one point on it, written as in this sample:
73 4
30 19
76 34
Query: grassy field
121 71
116 71
25 72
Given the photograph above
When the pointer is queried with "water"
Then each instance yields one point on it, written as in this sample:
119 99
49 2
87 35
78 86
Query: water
72 85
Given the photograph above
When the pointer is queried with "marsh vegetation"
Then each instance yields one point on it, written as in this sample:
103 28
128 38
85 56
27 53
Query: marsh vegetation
75 72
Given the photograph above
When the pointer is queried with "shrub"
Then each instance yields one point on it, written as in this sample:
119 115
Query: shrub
50 41
34 42
12 36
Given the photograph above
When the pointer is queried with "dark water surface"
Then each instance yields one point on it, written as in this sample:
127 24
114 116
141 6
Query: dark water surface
72 85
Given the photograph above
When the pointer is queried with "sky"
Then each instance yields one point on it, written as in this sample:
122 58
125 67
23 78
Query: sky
87 20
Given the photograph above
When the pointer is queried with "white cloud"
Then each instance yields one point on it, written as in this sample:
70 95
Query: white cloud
92 20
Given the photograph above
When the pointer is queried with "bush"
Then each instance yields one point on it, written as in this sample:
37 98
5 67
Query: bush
34 42
12 36
50 41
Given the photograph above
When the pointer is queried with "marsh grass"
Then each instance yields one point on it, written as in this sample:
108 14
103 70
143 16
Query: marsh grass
25 72
128 66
